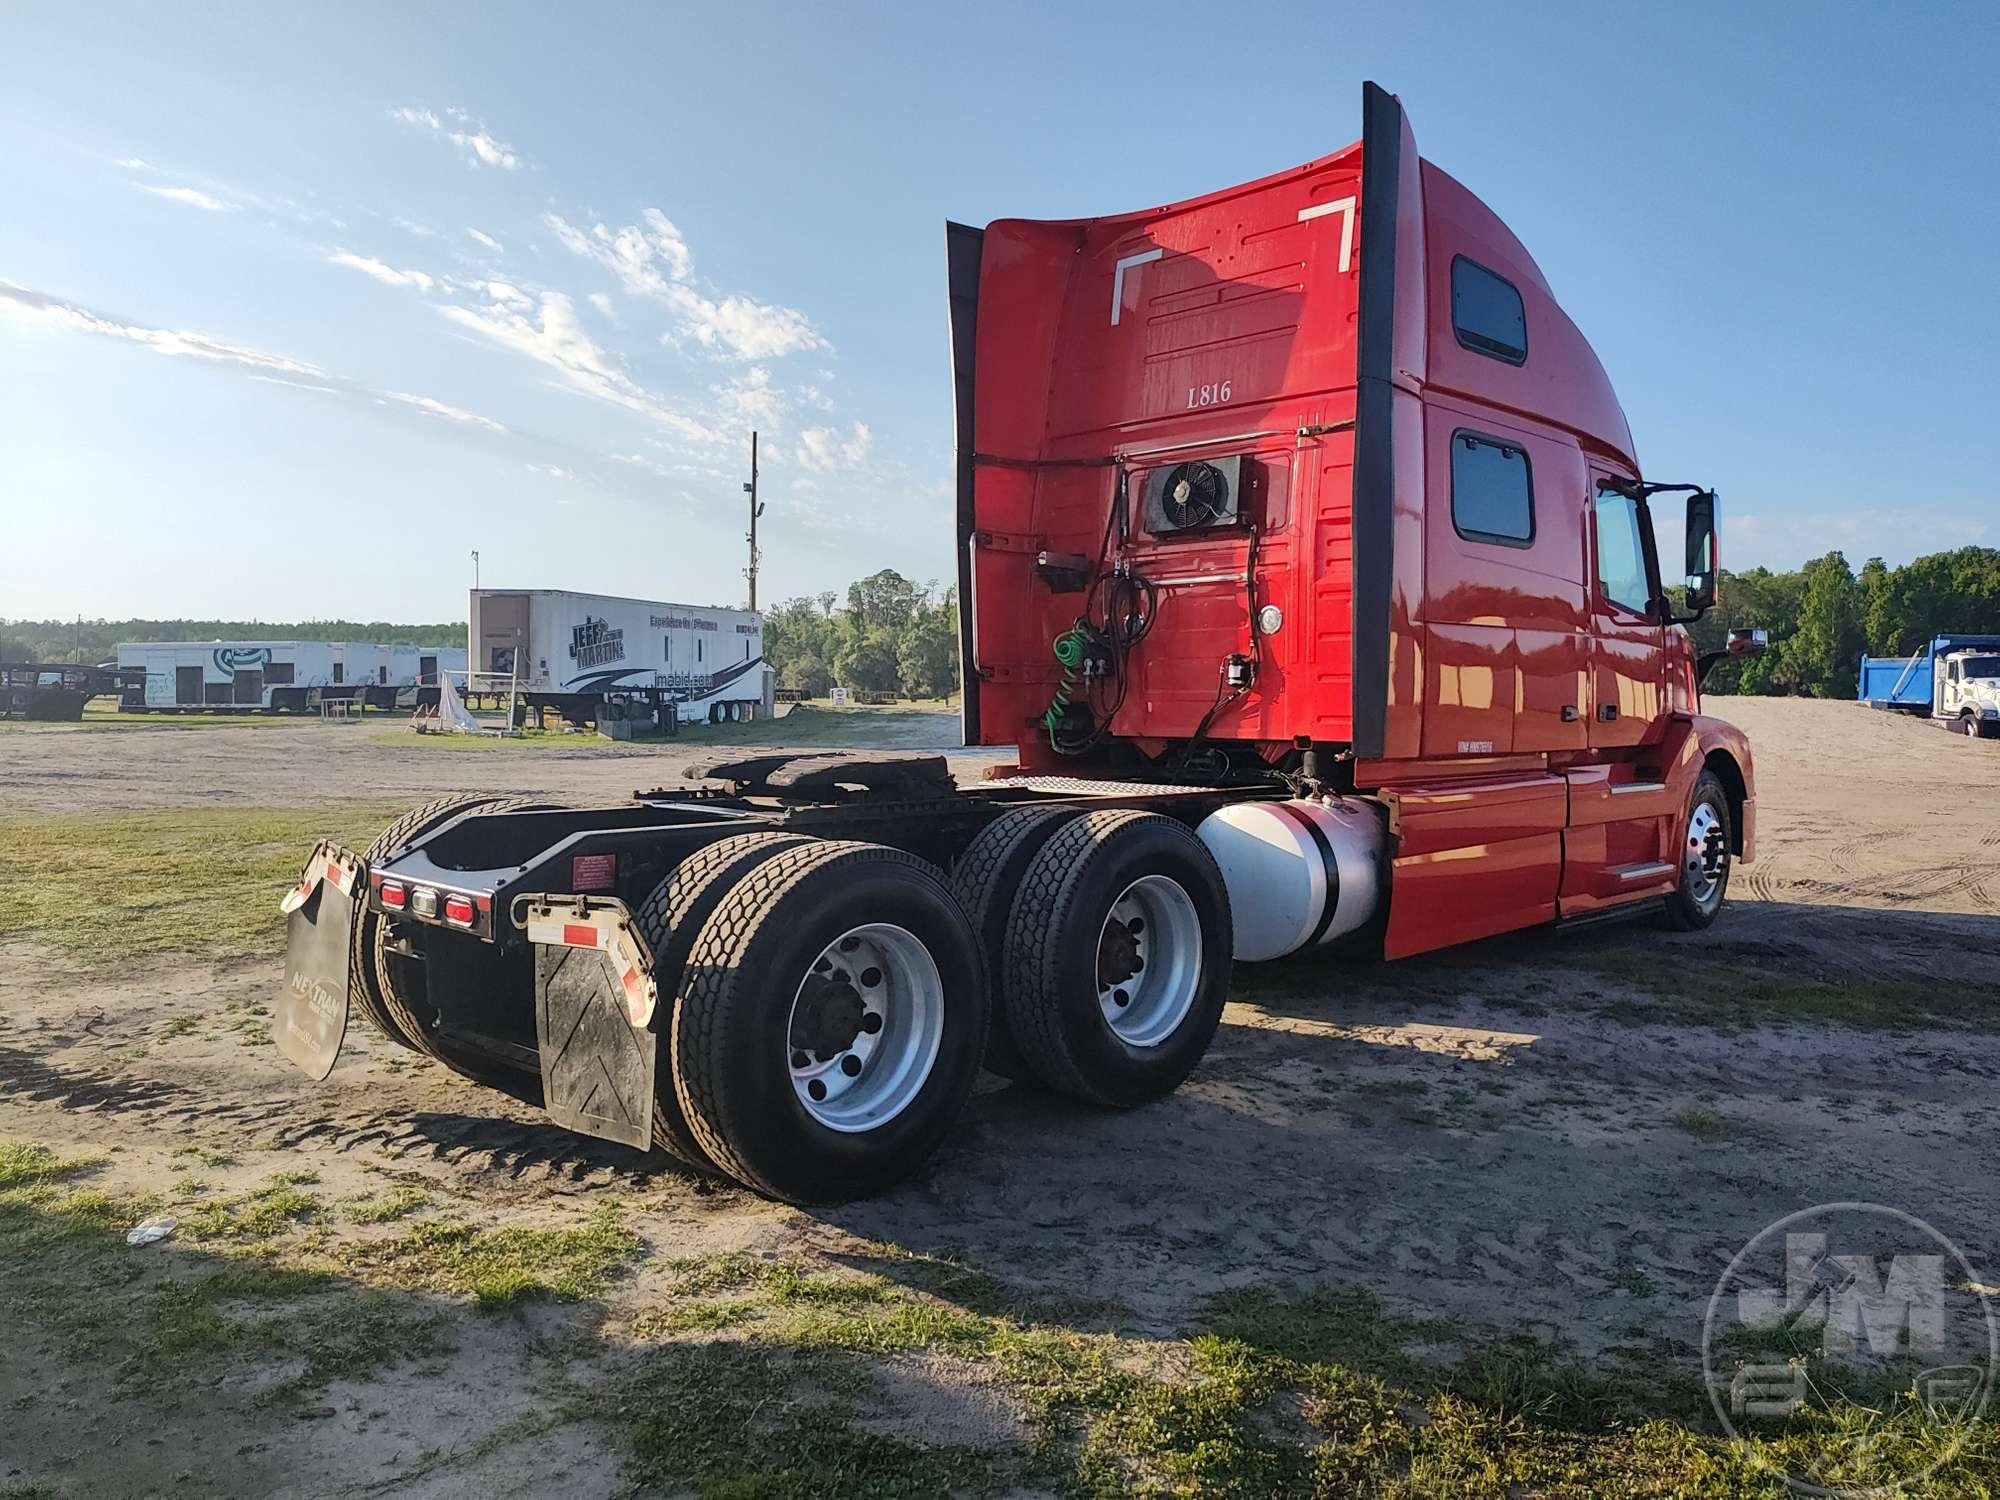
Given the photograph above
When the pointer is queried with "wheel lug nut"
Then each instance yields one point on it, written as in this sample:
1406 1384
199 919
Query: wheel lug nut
871 1023
870 977
816 1089
850 1065
1121 998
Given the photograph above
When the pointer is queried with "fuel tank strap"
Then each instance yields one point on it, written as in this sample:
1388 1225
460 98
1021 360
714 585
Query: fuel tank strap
1320 842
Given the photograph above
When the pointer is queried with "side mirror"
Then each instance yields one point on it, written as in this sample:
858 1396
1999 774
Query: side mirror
1740 643
1701 561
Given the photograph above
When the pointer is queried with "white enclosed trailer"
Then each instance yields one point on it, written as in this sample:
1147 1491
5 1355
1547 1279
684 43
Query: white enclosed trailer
586 653
293 675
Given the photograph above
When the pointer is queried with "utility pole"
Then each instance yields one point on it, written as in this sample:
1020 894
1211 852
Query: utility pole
756 510
475 568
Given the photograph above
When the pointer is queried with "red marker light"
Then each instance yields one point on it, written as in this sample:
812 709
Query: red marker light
394 896
458 910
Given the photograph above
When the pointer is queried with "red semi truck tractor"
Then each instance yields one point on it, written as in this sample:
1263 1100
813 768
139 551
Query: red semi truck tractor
1305 561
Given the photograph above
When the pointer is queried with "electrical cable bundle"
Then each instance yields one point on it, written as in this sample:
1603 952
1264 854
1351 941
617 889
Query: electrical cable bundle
1118 610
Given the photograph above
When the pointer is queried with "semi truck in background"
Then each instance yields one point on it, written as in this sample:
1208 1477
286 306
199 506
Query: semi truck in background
284 676
1954 678
592 656
1309 572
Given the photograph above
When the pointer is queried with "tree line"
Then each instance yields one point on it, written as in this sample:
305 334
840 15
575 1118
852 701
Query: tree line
98 640
890 635
1823 616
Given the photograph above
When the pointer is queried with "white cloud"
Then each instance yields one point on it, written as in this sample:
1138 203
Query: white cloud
37 307
752 398
386 274
824 449
449 413
814 397
602 302
646 258
744 326
193 197
486 149
554 471
552 336
652 259
469 135
488 241
42 310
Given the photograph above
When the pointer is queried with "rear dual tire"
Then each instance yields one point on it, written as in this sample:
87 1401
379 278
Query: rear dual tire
670 920
1117 957
399 986
830 1022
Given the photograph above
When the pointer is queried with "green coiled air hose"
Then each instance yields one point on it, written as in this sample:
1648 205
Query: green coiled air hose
1069 649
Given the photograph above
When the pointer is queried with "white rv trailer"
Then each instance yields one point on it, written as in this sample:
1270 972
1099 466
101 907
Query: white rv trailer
582 653
294 675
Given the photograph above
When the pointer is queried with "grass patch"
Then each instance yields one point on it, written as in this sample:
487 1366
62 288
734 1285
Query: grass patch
103 713
1735 994
253 1218
112 886
1703 1124
528 738
397 1203
757 1388
152 1320
500 1268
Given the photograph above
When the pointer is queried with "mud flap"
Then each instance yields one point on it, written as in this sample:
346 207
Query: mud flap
309 1021
594 999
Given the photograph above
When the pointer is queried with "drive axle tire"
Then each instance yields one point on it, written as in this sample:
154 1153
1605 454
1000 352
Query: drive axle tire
401 984
830 1022
986 879
670 919
364 986
1702 858
1118 952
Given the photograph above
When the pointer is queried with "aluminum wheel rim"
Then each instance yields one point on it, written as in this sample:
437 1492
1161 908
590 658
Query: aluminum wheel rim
1148 961
865 1027
1705 868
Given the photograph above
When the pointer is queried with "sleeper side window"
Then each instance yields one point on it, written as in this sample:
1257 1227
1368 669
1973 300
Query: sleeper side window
1621 552
1486 313
1492 492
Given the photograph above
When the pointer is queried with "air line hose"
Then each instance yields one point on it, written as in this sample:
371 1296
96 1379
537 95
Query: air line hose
1069 648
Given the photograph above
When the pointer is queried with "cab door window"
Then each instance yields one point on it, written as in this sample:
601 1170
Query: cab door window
1621 553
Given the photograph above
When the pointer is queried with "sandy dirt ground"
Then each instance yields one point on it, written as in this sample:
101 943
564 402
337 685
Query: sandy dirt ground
287 762
1566 1134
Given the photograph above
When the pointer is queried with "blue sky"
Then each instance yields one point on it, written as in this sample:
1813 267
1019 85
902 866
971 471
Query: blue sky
299 304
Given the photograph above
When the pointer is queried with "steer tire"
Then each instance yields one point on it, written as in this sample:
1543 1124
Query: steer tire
986 879
670 919
1056 935
734 1036
1684 911
397 979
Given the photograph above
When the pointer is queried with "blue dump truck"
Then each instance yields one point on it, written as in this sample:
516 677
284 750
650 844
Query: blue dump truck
1955 678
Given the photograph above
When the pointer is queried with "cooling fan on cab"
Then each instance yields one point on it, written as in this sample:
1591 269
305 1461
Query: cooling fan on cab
1199 495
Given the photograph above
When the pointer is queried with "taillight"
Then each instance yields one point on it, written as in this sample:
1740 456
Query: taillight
394 896
458 910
